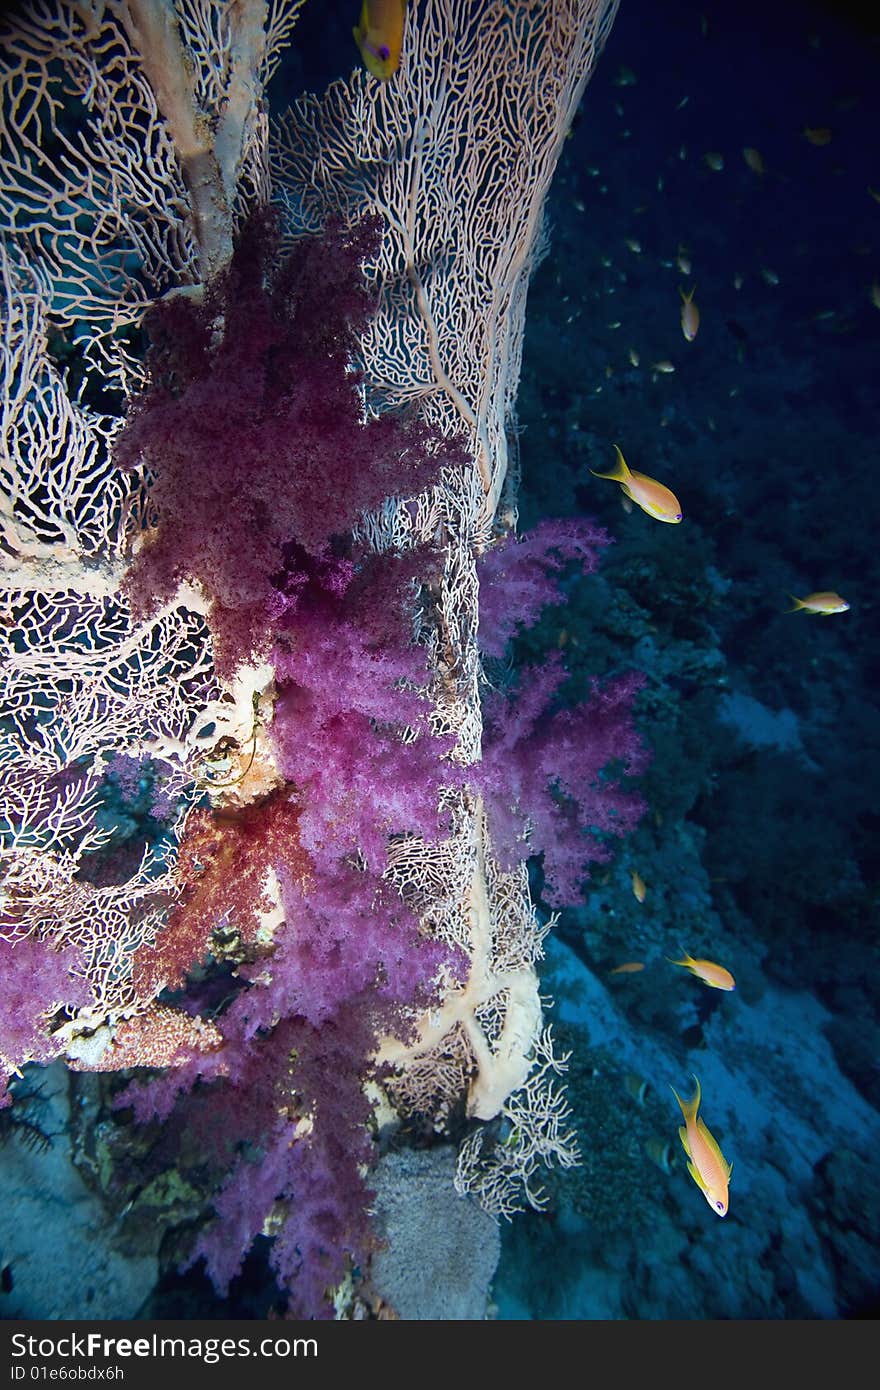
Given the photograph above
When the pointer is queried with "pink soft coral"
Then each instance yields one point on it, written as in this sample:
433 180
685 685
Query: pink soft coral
254 436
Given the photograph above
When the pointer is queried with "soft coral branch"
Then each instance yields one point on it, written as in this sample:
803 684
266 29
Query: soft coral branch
552 775
553 782
253 432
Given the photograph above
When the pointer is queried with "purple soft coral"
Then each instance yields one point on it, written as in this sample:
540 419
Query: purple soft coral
35 978
306 1176
258 439
351 682
547 779
551 776
517 577
262 464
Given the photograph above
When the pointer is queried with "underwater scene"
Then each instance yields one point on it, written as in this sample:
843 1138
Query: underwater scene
439 739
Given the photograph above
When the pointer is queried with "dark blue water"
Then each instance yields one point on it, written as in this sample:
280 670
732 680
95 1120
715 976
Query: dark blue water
761 845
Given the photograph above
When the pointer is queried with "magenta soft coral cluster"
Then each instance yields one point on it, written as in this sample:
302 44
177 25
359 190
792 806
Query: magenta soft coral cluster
253 432
35 977
245 1123
551 775
521 576
261 463
320 1175
349 954
350 679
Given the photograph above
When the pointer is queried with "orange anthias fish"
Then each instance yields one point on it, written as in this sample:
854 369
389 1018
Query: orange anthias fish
824 603
754 160
690 314
647 493
706 1163
660 1152
639 888
707 971
629 967
379 36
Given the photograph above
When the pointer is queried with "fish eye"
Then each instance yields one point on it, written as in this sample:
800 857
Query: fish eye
720 1206
384 52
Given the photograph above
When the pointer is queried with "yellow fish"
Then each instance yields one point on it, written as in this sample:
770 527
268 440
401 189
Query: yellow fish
817 135
754 160
637 1086
706 1163
379 36
647 493
707 971
660 1152
690 314
638 884
629 967
824 603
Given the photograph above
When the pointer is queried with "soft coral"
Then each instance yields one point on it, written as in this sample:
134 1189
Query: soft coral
253 430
